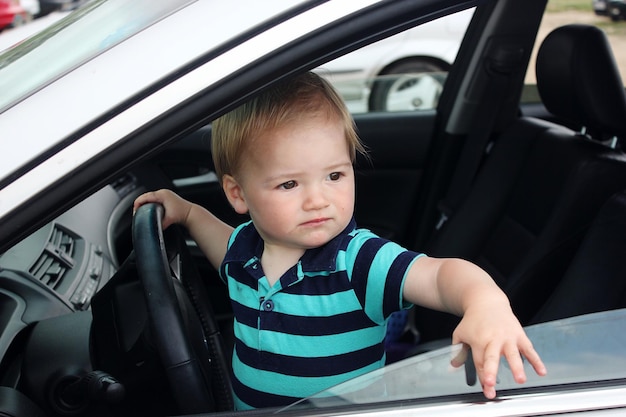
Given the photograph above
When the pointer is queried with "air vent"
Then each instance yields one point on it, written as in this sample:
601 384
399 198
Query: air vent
56 258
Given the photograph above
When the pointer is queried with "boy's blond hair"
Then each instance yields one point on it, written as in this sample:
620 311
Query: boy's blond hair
234 133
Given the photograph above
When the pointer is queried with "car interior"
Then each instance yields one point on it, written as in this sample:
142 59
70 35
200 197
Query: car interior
541 185
534 194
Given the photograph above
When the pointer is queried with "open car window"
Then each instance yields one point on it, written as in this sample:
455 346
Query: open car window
562 12
406 72
403 72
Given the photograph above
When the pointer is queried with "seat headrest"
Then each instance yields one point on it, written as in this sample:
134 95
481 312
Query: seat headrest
578 79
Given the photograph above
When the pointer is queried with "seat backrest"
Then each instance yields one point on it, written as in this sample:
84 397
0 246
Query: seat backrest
541 186
579 81
596 278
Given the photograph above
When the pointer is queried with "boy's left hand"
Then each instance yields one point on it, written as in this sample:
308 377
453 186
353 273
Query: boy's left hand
490 333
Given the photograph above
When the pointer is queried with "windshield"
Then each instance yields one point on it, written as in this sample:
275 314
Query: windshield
582 349
114 21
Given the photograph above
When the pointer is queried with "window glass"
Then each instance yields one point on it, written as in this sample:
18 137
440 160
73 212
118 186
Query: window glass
101 25
608 15
576 350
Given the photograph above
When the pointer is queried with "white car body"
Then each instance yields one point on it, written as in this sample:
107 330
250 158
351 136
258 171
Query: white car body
435 44
31 6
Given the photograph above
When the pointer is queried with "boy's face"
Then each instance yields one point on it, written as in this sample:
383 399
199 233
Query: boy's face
297 183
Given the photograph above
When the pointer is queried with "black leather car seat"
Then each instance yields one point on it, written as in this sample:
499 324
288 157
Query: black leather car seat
596 278
538 191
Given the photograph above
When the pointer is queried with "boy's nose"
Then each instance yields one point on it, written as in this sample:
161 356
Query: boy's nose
315 199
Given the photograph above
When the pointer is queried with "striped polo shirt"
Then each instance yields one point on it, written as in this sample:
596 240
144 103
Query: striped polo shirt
321 324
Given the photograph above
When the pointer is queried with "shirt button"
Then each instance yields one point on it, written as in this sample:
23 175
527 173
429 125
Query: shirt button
268 305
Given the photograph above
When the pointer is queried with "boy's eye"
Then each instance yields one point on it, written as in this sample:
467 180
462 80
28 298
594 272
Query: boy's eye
335 176
288 185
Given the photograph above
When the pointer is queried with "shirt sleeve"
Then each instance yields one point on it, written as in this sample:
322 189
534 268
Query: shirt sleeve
379 269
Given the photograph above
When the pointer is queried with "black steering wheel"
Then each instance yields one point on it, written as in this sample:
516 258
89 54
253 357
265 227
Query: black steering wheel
195 362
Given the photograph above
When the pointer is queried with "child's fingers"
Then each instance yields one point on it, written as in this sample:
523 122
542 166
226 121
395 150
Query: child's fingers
514 358
149 197
487 363
140 201
533 358
460 358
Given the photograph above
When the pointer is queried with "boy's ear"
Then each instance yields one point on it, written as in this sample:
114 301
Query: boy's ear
234 194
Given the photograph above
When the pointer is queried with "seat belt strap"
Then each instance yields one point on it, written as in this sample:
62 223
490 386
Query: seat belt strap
501 65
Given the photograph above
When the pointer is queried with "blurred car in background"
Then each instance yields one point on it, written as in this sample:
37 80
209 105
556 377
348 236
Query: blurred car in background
32 7
402 72
11 14
615 9
48 6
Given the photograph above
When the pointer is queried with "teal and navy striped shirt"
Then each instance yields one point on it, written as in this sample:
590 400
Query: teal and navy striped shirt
321 324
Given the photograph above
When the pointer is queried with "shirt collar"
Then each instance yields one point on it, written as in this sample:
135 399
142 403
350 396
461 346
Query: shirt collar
248 244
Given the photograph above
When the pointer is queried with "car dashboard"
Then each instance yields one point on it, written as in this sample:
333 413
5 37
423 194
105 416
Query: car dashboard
58 269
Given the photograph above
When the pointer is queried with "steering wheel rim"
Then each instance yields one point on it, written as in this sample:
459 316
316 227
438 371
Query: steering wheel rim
196 388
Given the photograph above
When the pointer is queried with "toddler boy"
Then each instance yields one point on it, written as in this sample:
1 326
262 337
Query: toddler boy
310 291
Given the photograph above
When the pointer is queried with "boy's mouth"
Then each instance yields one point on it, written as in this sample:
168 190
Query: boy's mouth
316 222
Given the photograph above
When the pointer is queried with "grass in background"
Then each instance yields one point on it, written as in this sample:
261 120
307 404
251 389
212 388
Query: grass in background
612 28
603 22
563 5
